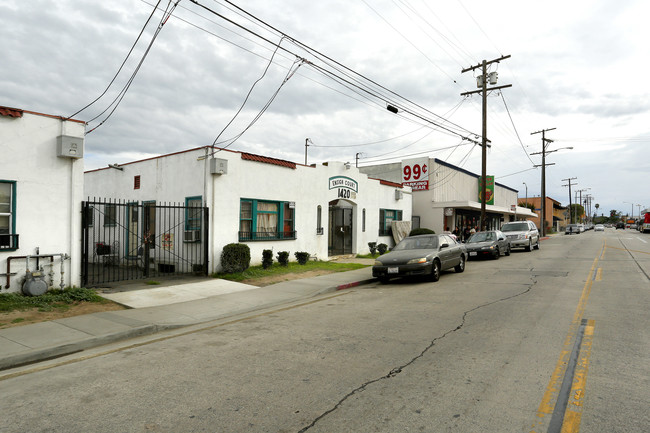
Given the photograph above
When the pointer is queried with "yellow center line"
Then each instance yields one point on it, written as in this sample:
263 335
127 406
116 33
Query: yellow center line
547 405
573 415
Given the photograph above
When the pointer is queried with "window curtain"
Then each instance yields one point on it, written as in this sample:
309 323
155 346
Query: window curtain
267 217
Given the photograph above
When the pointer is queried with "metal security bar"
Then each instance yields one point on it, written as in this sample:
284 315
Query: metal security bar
124 240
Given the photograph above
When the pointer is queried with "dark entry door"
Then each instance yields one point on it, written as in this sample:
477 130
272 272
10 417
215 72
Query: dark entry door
340 231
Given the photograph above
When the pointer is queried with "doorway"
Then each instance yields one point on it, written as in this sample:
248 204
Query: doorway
340 228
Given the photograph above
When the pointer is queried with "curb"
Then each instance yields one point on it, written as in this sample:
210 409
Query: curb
45 354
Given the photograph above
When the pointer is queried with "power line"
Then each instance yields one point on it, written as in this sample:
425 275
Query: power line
123 62
118 99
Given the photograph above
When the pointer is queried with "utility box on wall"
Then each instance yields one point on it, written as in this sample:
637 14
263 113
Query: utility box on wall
218 166
69 147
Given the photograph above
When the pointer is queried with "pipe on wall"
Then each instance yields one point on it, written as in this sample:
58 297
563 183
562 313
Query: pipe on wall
63 256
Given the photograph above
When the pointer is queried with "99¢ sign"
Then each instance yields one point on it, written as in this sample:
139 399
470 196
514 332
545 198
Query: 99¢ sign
415 173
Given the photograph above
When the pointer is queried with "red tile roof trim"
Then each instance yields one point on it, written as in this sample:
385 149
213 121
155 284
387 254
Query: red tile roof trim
11 112
388 183
267 160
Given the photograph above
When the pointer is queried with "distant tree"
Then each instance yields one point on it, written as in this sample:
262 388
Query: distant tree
577 212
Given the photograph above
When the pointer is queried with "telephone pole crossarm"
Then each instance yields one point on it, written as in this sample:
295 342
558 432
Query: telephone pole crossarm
482 84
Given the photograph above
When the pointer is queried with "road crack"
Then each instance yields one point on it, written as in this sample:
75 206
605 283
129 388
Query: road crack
397 370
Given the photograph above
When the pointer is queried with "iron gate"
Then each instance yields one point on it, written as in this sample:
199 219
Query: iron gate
124 240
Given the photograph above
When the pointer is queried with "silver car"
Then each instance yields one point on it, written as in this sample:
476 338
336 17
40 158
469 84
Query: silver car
491 243
522 234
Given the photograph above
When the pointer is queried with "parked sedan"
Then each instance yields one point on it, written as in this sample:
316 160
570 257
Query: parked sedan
572 229
491 243
421 255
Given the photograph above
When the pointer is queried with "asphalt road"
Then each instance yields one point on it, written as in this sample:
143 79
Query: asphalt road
526 343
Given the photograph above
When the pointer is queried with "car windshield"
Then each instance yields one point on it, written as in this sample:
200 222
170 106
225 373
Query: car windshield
417 243
516 227
482 237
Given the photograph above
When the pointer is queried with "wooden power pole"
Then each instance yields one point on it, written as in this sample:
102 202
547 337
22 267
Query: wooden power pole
482 81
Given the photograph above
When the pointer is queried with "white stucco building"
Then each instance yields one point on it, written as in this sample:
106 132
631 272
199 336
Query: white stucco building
447 197
326 210
41 188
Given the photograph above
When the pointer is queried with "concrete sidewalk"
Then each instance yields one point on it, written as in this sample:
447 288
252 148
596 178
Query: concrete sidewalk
160 309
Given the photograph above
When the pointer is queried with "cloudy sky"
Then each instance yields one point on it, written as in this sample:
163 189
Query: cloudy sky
579 67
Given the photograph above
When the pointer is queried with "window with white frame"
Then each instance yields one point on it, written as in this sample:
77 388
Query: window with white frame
8 235
261 220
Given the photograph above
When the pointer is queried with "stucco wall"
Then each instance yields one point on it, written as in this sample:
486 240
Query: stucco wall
48 195
174 177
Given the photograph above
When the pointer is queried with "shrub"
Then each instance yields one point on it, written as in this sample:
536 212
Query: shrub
382 248
283 258
267 259
373 247
235 258
421 231
302 257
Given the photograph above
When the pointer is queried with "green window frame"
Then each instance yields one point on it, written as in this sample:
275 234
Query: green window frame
193 213
8 235
386 216
261 220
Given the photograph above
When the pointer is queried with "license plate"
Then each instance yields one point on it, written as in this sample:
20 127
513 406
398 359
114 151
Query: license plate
393 270
472 253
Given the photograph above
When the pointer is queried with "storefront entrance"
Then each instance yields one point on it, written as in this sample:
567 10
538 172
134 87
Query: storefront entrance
340 228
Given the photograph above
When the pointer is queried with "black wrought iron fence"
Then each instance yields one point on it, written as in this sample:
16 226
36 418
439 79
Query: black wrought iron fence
124 240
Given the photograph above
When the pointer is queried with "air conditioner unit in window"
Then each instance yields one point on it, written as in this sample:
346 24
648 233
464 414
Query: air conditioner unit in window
192 236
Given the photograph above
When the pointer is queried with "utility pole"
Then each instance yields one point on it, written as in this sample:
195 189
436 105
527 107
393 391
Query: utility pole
307 141
545 143
580 191
482 83
569 185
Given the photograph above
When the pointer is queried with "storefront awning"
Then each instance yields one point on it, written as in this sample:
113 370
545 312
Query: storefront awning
476 206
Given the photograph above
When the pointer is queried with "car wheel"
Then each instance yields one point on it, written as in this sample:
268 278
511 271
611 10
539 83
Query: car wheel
508 250
461 266
537 244
529 247
435 271
497 254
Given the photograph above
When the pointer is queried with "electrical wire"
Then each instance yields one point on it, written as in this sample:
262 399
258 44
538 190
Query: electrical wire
515 128
262 111
322 56
248 94
123 62
125 89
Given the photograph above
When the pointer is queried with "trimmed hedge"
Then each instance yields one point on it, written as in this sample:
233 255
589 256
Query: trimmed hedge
267 258
382 248
235 258
283 258
302 257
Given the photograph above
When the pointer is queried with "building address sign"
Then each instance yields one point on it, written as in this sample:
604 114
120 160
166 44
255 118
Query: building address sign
347 187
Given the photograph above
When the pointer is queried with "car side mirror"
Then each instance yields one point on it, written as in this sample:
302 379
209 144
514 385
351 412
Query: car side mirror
502 239
445 245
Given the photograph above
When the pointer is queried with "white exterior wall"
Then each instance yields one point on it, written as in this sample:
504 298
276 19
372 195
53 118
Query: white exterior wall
173 177
48 196
449 187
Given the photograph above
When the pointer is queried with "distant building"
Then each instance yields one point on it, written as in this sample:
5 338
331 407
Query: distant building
557 216
447 197
41 188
